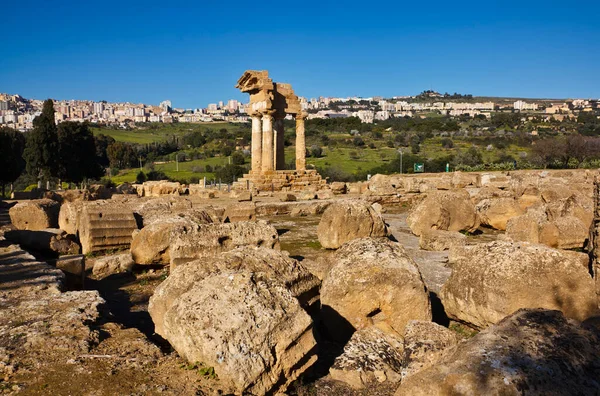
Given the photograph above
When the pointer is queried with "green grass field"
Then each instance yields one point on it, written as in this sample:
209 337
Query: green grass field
156 132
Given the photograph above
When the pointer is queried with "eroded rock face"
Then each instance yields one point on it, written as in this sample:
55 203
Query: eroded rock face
35 215
152 244
345 220
373 282
490 281
243 211
533 351
444 210
370 356
104 225
425 343
239 314
210 239
438 240
496 212
278 265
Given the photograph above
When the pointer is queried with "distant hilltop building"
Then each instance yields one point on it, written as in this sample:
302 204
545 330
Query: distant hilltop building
166 105
524 106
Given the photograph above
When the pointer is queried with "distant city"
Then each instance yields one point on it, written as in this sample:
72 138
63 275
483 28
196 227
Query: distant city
19 112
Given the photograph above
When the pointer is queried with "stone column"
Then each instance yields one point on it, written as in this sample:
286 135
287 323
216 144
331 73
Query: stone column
268 156
300 143
279 144
256 145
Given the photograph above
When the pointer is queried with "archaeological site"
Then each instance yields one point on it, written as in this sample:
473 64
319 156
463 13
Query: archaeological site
456 283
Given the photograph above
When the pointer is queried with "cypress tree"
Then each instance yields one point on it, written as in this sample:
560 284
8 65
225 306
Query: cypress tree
41 150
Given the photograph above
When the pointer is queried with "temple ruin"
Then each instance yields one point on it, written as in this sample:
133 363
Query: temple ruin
270 103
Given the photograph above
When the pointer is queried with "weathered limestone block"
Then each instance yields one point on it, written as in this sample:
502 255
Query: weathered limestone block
113 264
438 240
287 197
324 194
241 195
373 282
465 179
68 217
210 239
35 215
74 268
49 241
370 356
339 188
278 265
345 220
425 343
152 244
532 351
490 281
496 212
152 209
238 313
105 226
444 210
243 211
162 187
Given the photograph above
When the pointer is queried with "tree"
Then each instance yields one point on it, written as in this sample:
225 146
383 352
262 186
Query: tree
548 151
140 178
12 144
102 142
470 157
77 153
121 155
41 148
237 158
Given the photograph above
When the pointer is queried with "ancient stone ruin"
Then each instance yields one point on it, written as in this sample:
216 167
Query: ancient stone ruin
270 102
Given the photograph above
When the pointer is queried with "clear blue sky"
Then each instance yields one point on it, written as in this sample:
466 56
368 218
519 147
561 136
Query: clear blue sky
193 52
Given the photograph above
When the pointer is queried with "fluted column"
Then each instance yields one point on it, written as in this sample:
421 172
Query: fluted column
300 143
279 144
256 144
268 156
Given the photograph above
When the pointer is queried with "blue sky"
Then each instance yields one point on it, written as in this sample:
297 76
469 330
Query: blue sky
193 52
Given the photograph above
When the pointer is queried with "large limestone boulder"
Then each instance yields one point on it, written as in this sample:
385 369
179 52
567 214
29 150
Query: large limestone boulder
149 210
444 210
240 313
490 281
210 239
279 265
35 215
346 220
371 356
533 351
438 240
162 187
425 343
496 212
373 282
152 244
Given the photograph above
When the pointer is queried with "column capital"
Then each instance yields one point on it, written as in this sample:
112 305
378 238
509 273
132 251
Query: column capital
267 113
301 116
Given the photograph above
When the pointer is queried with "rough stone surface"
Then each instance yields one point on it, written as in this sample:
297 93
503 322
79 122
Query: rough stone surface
444 210
113 264
373 282
152 244
279 265
238 313
490 281
370 356
425 343
243 211
210 239
438 240
496 212
533 351
35 215
105 226
68 217
345 220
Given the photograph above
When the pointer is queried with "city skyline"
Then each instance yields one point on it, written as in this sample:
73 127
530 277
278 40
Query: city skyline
191 54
